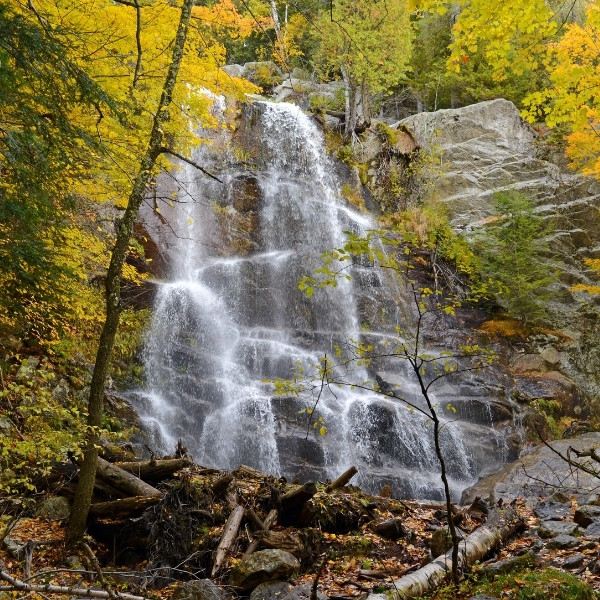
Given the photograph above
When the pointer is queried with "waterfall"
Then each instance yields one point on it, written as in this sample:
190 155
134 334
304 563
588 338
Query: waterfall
232 318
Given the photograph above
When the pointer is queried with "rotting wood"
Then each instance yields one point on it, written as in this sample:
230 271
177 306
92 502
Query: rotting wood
128 483
254 519
281 541
342 480
154 470
229 534
296 498
219 487
126 507
474 547
269 521
390 529
15 584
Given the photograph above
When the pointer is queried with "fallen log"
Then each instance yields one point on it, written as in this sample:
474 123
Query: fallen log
229 534
128 483
296 498
342 480
154 470
15 584
269 521
281 540
390 529
338 114
220 486
126 507
473 548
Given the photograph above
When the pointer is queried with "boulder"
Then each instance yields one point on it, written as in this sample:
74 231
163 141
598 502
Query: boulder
202 589
263 566
271 590
563 542
54 509
574 562
593 530
303 592
551 529
552 510
586 515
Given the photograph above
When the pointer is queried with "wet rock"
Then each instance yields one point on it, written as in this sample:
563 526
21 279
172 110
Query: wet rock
510 564
303 592
574 562
551 529
54 509
586 515
563 542
271 590
202 589
593 530
263 566
552 510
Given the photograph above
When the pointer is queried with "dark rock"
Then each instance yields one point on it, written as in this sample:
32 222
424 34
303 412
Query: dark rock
263 566
303 592
271 590
510 564
202 589
563 542
54 509
550 529
586 515
574 562
552 510
593 530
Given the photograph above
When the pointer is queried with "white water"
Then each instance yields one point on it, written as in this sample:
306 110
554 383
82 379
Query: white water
225 324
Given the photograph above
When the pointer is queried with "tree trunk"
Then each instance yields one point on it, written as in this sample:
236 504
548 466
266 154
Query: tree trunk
128 483
154 470
87 474
229 534
127 507
342 480
269 521
472 549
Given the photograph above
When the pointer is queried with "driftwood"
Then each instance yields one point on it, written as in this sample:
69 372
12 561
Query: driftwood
229 534
269 521
154 470
473 548
122 480
342 480
21 586
294 500
126 507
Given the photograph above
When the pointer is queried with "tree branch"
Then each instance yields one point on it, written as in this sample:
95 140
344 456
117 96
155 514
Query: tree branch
165 150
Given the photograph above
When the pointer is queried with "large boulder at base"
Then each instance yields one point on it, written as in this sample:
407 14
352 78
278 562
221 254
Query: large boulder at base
203 589
54 509
262 566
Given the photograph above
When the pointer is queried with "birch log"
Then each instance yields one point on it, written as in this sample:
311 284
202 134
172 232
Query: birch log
229 533
472 548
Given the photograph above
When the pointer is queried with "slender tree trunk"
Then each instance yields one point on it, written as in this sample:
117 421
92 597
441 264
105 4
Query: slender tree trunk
87 475
281 46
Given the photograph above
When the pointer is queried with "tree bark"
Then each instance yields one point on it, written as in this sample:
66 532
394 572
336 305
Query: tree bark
229 533
87 474
126 507
296 498
128 483
342 480
473 548
154 470
269 521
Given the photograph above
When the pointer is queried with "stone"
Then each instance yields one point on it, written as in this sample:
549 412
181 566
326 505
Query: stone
202 589
563 542
271 590
593 530
5 427
262 566
233 70
303 592
552 510
27 368
551 529
574 562
56 508
586 515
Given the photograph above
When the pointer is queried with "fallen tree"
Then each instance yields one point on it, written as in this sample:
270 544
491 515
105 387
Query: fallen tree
473 548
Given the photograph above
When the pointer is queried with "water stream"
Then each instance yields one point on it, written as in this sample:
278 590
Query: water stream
230 320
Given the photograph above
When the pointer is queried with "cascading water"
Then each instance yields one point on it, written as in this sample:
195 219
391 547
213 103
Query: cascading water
232 318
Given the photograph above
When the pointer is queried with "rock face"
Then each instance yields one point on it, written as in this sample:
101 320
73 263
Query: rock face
487 147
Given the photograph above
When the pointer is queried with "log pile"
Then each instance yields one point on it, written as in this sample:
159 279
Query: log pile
179 517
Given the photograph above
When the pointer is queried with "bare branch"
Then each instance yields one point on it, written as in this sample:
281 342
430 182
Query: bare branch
165 150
